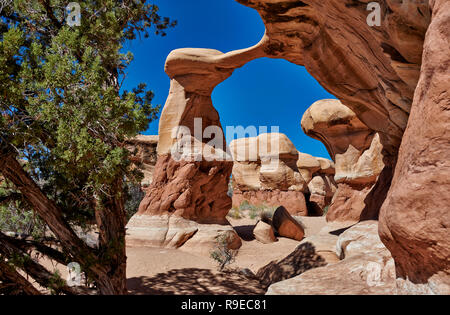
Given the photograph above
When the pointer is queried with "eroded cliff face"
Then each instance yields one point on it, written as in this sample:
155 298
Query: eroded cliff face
415 218
372 70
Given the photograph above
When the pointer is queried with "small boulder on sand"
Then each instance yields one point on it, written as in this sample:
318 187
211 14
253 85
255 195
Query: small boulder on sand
285 225
263 233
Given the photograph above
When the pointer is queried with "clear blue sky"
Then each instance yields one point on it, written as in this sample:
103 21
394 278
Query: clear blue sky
265 92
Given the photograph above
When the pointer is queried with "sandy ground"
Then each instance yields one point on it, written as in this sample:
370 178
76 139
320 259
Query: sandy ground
159 271
171 271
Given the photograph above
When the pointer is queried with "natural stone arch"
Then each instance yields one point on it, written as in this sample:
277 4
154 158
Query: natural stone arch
372 70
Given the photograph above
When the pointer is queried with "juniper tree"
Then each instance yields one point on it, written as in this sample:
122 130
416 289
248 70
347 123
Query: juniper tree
65 116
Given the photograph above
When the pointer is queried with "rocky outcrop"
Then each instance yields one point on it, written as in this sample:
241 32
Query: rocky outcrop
415 218
356 150
144 155
296 175
366 267
285 225
265 172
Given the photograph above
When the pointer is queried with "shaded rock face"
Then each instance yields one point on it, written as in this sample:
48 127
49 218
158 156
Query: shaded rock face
366 267
415 218
144 155
356 150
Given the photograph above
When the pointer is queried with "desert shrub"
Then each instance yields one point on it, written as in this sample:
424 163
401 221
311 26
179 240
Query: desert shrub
234 213
255 211
325 210
244 206
23 222
221 253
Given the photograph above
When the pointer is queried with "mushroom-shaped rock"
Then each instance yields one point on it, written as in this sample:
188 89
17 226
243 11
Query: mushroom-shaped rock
336 126
356 151
265 172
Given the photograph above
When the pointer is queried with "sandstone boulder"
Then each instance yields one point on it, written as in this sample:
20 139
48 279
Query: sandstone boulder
359 239
174 231
285 225
263 233
307 165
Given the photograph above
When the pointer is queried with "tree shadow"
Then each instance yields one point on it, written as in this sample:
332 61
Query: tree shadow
303 258
194 281
245 232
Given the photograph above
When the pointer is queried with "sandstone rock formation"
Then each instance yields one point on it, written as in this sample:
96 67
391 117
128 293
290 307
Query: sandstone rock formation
296 175
144 155
415 218
263 233
356 150
265 172
321 188
367 268
285 225
374 70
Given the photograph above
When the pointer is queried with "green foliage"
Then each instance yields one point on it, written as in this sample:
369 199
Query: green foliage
230 189
255 211
56 282
61 105
325 210
221 252
64 113
16 217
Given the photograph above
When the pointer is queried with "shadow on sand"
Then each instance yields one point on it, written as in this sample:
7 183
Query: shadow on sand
193 281
245 232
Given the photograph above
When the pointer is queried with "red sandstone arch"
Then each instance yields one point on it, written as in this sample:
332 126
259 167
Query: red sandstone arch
373 70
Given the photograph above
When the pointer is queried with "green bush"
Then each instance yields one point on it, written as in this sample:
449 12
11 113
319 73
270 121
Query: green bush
17 220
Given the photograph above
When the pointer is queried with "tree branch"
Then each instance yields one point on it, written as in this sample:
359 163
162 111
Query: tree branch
33 269
11 276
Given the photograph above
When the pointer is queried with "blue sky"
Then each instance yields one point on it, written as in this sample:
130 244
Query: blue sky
265 92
